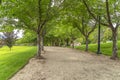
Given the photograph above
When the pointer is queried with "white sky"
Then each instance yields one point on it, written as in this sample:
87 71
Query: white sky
19 34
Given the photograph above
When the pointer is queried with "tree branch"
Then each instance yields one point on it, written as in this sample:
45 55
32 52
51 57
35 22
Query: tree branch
108 15
88 9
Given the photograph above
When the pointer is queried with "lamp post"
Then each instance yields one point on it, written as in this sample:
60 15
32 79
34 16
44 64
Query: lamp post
99 26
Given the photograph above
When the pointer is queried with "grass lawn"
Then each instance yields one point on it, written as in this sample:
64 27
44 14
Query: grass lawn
106 48
12 61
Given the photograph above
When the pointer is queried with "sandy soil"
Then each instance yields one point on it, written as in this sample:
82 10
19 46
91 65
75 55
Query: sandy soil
69 64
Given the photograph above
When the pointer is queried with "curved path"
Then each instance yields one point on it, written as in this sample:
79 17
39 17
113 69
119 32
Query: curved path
70 64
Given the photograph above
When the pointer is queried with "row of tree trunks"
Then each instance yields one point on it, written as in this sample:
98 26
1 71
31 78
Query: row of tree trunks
61 42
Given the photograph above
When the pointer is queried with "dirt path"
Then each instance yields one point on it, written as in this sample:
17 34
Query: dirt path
69 64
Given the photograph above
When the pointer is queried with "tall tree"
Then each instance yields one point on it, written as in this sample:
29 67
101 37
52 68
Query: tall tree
80 18
110 18
32 15
86 28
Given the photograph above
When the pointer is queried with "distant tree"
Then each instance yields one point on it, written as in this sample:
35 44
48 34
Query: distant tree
9 38
28 37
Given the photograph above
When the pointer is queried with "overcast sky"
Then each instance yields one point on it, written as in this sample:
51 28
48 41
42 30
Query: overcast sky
19 34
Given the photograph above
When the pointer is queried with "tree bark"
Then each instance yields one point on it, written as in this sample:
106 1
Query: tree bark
59 42
38 45
72 43
42 43
67 42
114 47
86 38
51 43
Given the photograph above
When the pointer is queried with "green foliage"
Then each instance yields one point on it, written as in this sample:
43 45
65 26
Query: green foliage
30 14
28 37
64 21
61 33
12 61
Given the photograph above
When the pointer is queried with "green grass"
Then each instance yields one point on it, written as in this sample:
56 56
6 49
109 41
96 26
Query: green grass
106 48
12 61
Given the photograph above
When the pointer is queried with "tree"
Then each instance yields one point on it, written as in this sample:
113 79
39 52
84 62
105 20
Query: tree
33 15
86 28
9 31
61 35
110 19
80 18
9 38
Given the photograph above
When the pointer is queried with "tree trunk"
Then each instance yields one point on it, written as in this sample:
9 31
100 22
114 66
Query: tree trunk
114 47
67 42
72 42
10 49
38 45
42 43
51 43
54 43
86 49
42 39
59 43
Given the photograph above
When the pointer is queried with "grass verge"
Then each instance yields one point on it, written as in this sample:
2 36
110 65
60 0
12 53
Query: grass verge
106 48
12 61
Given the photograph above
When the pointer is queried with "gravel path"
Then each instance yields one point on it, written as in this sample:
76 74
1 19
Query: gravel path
69 64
